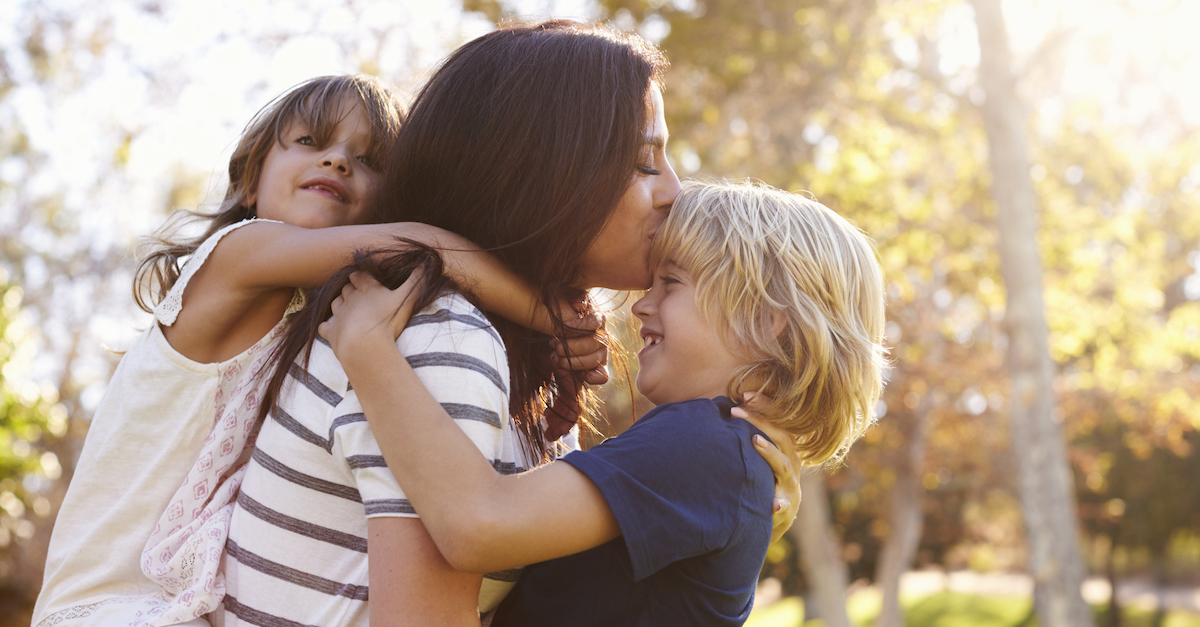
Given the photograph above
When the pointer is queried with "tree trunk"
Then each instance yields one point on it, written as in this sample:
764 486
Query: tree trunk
1046 488
905 518
821 553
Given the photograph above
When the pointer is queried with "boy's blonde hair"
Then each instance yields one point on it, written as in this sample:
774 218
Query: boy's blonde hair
796 288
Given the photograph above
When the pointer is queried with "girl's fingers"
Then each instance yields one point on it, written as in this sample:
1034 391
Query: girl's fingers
589 361
579 346
596 376
588 323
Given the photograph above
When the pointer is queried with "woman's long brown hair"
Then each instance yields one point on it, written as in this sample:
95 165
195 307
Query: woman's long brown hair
524 142
390 267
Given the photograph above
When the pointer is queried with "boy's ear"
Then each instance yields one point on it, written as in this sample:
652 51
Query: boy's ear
778 322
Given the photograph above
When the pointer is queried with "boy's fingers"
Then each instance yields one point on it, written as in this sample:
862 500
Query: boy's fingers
358 277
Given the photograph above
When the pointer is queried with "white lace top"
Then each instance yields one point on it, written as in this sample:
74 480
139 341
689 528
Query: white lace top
147 433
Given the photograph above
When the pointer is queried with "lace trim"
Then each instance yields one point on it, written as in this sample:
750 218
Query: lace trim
168 310
298 303
84 611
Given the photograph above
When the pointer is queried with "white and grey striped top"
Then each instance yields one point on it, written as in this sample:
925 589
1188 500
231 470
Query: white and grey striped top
297 550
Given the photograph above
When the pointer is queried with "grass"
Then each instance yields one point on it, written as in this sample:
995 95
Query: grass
951 609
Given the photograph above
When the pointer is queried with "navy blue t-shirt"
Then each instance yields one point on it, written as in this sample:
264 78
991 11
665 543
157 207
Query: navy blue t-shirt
693 500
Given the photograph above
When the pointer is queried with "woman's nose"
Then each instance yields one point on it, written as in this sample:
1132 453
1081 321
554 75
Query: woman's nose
668 188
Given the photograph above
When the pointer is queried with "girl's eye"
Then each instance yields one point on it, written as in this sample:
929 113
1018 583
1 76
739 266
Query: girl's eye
369 162
666 280
306 140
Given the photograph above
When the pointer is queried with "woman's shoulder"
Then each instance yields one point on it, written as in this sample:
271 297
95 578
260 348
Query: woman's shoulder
451 324
451 312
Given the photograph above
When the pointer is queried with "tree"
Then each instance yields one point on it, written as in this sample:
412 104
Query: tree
1046 487
30 417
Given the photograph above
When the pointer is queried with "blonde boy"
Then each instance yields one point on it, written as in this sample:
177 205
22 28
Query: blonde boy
755 291
792 287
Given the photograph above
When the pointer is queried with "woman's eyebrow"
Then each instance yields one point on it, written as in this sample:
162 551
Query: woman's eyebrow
658 141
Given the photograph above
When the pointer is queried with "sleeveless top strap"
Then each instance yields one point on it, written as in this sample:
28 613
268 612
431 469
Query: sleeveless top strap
168 310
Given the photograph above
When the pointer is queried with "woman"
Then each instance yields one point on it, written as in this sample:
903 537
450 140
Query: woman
545 145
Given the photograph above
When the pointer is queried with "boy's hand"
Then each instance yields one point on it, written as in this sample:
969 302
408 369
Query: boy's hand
368 315
783 464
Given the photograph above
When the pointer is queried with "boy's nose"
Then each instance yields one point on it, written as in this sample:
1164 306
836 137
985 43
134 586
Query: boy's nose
642 307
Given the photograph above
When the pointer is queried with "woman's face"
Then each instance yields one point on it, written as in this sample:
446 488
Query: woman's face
619 258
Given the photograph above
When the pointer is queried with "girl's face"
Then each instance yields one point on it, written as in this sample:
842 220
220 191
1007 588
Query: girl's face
313 186
619 258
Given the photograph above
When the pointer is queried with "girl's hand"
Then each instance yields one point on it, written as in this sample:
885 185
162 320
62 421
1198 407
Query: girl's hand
368 315
783 463
582 351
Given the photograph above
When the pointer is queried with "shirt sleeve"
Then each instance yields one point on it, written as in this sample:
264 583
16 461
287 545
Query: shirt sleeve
459 357
675 481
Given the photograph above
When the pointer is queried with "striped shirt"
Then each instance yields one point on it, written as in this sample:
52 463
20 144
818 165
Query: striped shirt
297 549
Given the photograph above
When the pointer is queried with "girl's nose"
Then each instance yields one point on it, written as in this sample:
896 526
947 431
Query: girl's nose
336 158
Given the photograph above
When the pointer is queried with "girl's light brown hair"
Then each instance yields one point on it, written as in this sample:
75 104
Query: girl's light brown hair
318 104
798 290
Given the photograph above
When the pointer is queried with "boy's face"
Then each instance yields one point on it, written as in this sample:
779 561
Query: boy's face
683 357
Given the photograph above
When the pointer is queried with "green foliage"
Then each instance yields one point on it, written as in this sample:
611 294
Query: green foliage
28 415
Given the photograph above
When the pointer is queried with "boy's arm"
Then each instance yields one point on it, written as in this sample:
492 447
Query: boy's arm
411 583
480 520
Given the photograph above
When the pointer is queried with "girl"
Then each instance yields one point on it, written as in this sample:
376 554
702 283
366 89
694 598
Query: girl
306 169
755 290
545 144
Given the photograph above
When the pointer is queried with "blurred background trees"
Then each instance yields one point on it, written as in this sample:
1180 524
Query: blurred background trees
113 115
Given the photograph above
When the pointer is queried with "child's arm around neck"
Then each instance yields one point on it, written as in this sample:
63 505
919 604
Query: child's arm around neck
244 287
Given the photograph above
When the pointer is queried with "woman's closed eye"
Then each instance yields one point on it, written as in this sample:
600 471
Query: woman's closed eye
649 170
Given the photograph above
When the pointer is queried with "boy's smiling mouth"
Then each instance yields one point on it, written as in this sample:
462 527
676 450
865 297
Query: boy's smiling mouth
651 339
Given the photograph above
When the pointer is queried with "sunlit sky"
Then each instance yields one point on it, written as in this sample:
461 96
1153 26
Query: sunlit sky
183 83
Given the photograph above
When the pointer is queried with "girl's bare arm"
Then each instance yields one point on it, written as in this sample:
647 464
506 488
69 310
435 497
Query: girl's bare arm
270 255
